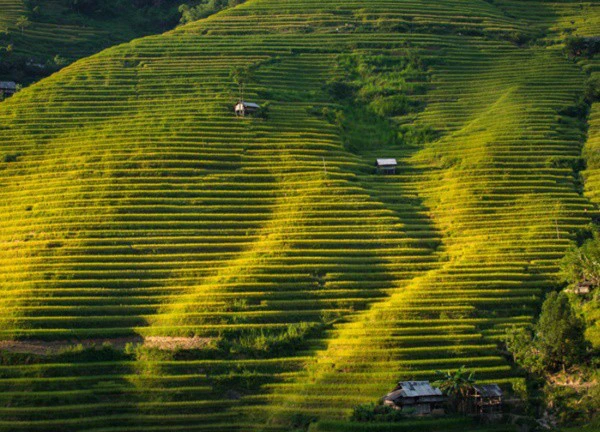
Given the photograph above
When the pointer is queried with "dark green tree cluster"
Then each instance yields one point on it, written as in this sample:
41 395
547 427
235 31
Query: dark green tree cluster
204 9
373 412
577 46
114 7
592 89
556 342
581 264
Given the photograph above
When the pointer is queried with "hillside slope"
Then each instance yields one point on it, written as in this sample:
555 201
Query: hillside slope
135 204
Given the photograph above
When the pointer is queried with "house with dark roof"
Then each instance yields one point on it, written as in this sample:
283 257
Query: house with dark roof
486 399
416 397
7 88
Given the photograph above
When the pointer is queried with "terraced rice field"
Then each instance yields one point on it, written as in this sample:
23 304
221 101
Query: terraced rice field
133 202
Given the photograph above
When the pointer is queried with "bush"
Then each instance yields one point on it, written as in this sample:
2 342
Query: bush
582 46
204 9
372 412
592 89
339 89
571 405
519 342
580 263
417 134
574 163
79 353
265 110
391 106
11 157
265 343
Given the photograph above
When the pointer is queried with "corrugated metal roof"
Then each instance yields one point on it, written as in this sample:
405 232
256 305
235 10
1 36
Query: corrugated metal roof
488 390
386 162
395 395
11 85
418 389
247 105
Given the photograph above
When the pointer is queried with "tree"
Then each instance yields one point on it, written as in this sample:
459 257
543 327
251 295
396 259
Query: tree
204 9
557 340
457 386
22 23
60 61
559 333
582 264
592 89
241 76
519 343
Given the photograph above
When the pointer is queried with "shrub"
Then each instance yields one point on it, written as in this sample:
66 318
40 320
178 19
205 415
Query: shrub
11 157
592 89
571 405
417 134
79 353
301 421
265 110
582 47
264 343
391 106
204 9
518 341
580 263
339 89
373 412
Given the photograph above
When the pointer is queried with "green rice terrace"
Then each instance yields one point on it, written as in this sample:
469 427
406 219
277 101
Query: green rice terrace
168 266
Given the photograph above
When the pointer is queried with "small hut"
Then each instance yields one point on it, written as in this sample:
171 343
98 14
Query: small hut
7 88
418 397
486 399
243 109
386 166
582 288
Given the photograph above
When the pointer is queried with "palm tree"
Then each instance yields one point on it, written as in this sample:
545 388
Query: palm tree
457 386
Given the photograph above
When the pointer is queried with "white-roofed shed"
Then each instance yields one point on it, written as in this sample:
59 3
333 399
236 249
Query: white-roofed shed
417 396
386 166
243 108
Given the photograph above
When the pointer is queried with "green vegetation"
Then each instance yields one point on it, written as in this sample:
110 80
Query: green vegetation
204 9
376 413
135 203
39 37
582 46
242 76
580 264
457 385
557 340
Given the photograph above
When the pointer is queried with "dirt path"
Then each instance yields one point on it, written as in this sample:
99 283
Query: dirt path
52 347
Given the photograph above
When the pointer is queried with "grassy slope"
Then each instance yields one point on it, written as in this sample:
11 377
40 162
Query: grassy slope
165 215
